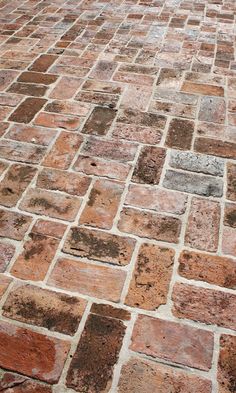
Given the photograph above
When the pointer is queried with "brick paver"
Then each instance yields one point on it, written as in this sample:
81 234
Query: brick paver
117 196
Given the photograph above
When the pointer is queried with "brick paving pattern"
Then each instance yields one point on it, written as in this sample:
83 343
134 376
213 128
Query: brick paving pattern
117 196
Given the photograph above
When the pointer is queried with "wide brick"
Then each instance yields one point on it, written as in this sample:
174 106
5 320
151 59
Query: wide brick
49 228
149 165
28 89
110 149
65 88
14 383
133 132
103 70
106 310
231 181
99 122
143 119
31 134
150 225
53 310
51 204
198 88
139 376
136 79
27 110
103 204
101 246
203 225
229 241
54 120
35 77
215 147
7 251
14 183
150 282
180 134
13 225
63 151
136 97
227 364
23 152
193 183
42 63
167 340
209 268
204 305
4 284
212 109
86 278
162 201
34 261
43 358
103 337
71 183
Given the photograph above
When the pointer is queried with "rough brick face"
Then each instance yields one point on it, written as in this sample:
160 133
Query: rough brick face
227 364
149 166
27 110
180 134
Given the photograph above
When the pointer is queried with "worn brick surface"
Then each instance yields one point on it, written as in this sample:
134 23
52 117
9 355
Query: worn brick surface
118 196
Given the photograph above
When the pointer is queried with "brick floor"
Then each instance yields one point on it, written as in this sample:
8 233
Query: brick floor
117 196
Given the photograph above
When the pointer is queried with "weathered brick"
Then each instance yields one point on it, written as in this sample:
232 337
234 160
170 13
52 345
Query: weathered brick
86 278
49 228
144 119
149 165
150 282
68 108
103 337
197 163
229 241
227 364
44 356
106 310
28 89
42 63
231 181
110 149
230 215
36 77
23 152
99 122
13 225
203 225
204 305
167 340
180 134
65 88
6 78
31 134
136 97
103 70
54 120
4 284
53 310
212 109
215 147
20 384
7 251
100 246
150 225
198 88
136 79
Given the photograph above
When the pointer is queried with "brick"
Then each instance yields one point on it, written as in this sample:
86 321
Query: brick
6 78
137 133
103 70
86 278
136 79
212 109
229 241
204 305
110 149
7 251
197 163
51 204
150 225
109 311
27 110
144 119
103 337
65 88
103 203
193 183
52 120
31 134
97 98
63 151
99 167
215 147
99 246
139 375
162 201
68 108
14 183
49 228
42 63
172 109
3 128
28 89
4 284
231 181
41 307
227 364
203 225
213 269
4 112
20 384
167 340
102 86
36 77
136 97
150 282
71 183
149 165
180 134
198 88
13 225
230 215
3 167
15 341
99 122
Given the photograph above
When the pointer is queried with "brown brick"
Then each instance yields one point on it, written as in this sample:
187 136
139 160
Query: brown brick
227 364
206 267
103 337
49 228
203 225
20 384
167 340
35 77
106 310
97 245
86 278
63 151
149 165
103 204
215 147
68 108
13 225
6 253
43 358
99 122
150 225
27 110
231 181
180 134
14 183
28 89
140 376
230 215
65 88
204 305
53 310
23 152
4 284
110 149
42 63
49 203
31 134
150 282
54 120
198 88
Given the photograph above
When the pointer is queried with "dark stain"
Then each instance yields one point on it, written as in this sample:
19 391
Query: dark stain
230 218
48 205
92 197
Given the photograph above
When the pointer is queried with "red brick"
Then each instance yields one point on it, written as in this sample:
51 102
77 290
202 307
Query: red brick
43 358
203 225
150 225
27 110
86 278
52 120
63 151
49 228
7 251
215 147
227 364
42 63
41 307
112 149
204 305
6 78
149 165
31 134
28 89
20 384
100 121
103 204
65 88
171 341
180 134
4 284
68 108
229 241
23 152
231 181
198 88
35 77
13 225
97 98
139 376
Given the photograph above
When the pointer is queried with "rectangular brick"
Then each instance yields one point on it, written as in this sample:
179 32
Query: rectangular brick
103 70
133 132
68 108
231 182
65 88
54 120
99 122
31 134
180 134
226 361
6 253
212 109
43 63
36 77
229 241
215 147
199 88
28 89
26 111
149 165
13 225
16 382
88 279
136 79
6 78
49 228
110 149
144 119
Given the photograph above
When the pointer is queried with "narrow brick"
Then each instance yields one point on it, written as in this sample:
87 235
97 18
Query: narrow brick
13 225
180 134
229 241
4 284
68 108
7 251
42 63
199 163
27 110
110 149
36 77
99 122
231 181
149 165
198 88
215 147
230 215
227 364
